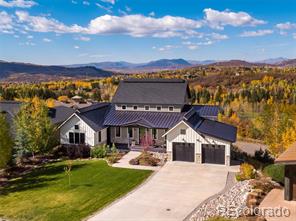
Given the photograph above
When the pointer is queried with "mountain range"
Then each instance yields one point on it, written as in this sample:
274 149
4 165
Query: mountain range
15 71
172 64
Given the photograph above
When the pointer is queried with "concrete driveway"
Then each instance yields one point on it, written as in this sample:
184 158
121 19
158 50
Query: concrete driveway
171 194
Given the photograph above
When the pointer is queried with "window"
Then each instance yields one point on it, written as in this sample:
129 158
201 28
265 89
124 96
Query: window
158 108
131 132
117 131
123 107
135 107
76 127
76 138
171 108
82 138
154 133
183 131
71 137
147 107
100 137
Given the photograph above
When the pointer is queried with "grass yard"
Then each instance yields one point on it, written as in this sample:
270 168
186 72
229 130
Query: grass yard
45 194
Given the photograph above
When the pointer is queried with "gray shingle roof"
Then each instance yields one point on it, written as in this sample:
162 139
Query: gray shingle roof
152 91
10 107
60 113
164 120
94 115
57 114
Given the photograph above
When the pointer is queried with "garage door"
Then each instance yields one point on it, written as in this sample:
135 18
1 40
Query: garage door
183 152
213 154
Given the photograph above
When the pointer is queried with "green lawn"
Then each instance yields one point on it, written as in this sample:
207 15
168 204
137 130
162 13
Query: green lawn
45 194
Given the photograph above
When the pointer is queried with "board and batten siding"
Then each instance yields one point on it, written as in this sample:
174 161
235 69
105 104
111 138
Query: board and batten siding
192 136
91 136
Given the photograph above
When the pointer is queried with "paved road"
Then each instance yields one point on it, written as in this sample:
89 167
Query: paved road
170 195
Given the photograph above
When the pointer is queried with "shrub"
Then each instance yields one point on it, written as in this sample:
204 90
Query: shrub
71 151
114 149
114 158
247 172
276 172
263 156
99 151
134 161
145 159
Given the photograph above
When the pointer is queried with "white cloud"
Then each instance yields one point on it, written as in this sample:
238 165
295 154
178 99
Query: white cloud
17 3
165 47
128 9
139 25
286 26
294 35
217 36
256 33
82 38
109 1
44 24
85 3
218 19
47 40
76 47
74 2
108 9
6 22
30 37
193 47
152 14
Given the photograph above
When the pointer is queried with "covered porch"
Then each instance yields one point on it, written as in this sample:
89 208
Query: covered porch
138 137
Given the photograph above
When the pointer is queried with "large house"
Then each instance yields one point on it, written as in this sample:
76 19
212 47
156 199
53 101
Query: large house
157 110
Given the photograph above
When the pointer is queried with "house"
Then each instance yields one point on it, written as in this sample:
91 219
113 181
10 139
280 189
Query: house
158 111
57 114
288 158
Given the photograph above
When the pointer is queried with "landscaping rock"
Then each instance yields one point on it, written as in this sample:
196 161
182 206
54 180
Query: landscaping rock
234 199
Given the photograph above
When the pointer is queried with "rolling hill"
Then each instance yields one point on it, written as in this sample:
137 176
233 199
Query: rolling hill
15 70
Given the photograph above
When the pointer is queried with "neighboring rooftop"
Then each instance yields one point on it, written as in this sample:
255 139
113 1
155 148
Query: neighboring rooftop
289 156
152 91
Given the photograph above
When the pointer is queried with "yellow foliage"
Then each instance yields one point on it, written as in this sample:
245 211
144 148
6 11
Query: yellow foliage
63 99
50 103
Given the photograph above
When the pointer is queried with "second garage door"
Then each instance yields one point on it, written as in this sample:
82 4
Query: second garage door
213 154
183 152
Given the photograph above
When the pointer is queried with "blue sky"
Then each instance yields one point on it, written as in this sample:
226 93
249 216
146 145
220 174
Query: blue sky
82 31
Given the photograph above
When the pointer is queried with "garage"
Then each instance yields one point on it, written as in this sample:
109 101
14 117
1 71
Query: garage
183 152
212 153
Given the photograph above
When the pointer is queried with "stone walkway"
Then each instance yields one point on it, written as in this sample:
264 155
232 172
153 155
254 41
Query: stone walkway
124 162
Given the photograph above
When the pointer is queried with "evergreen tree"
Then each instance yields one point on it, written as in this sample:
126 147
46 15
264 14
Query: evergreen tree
6 142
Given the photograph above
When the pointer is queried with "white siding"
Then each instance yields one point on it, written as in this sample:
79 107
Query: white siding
83 128
103 137
152 108
193 137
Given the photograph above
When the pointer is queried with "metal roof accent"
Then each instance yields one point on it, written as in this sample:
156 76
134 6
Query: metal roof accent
162 120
